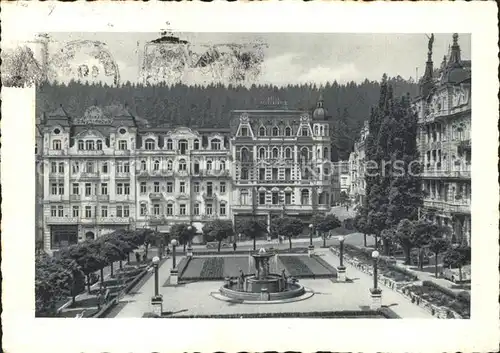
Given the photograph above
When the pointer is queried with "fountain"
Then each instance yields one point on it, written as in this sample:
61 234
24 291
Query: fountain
262 285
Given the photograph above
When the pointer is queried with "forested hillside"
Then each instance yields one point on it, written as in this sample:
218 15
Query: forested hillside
209 106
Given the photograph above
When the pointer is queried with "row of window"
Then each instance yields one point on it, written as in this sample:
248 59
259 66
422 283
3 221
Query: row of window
89 189
305 153
124 166
169 209
182 187
323 198
275 131
91 211
306 174
149 144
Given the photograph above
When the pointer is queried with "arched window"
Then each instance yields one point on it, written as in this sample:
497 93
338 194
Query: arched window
222 165
150 144
196 167
209 165
170 144
56 144
276 131
99 145
81 145
321 198
288 131
244 174
275 152
316 130
89 145
245 155
215 144
182 165
262 153
169 165
143 165
183 146
321 130
288 152
244 199
305 131
262 131
319 153
325 153
156 165
196 144
304 154
304 197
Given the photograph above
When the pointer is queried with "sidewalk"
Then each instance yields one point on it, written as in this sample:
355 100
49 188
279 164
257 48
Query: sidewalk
139 302
394 300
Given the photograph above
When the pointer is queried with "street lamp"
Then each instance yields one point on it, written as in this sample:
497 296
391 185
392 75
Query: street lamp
341 270
156 261
174 244
174 273
190 248
157 299
376 293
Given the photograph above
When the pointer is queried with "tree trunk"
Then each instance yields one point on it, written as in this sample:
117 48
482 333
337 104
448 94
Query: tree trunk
184 247
324 240
376 242
128 258
218 246
290 241
407 256
146 248
364 239
460 273
436 264
102 276
88 283
254 243
386 247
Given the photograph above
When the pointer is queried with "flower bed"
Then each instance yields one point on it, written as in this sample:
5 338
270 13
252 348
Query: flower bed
213 268
295 266
430 296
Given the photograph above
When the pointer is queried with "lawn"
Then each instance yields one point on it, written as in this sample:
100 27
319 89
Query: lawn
216 268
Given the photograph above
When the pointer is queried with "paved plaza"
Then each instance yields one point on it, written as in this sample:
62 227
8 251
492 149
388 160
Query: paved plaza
195 299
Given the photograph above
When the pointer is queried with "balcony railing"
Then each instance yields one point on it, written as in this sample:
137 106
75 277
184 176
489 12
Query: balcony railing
103 197
56 152
122 153
89 152
155 195
61 220
75 197
122 175
113 220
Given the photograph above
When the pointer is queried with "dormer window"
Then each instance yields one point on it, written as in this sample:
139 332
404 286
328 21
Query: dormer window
215 144
183 146
150 144
99 145
305 131
122 145
56 144
262 131
170 144
89 145
244 131
288 131
196 144
276 131
81 145
316 130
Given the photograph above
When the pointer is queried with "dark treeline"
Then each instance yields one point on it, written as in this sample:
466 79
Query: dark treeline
209 106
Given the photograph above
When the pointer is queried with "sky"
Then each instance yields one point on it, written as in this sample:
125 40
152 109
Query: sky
288 58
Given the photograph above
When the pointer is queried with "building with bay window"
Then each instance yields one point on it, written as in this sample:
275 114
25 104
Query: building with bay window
444 140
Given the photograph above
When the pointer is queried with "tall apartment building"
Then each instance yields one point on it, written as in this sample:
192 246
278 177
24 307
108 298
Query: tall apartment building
107 170
280 157
357 160
444 140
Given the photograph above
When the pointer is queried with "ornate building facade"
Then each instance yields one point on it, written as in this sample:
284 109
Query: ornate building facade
444 140
109 170
282 162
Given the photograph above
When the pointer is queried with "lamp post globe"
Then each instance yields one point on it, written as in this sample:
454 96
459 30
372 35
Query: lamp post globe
375 254
311 226
156 260
174 244
341 238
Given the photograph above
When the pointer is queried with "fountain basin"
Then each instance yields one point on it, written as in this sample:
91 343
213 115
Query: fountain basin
269 289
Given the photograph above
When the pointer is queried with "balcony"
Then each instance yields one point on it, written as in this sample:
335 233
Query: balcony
89 152
89 175
75 197
217 173
458 173
206 195
61 220
113 220
56 153
447 206
122 175
122 153
240 207
56 175
156 195
156 219
181 174
102 197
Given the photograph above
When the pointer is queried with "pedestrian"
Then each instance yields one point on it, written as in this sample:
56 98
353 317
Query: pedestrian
234 246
